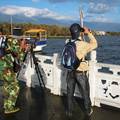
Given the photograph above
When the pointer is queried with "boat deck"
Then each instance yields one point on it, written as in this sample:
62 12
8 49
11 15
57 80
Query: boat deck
38 105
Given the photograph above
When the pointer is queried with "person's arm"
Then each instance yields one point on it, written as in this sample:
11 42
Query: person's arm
93 42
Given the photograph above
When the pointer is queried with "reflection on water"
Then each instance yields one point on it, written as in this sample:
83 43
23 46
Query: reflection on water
108 50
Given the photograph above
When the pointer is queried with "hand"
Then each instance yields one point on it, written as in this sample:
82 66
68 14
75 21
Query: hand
28 47
86 30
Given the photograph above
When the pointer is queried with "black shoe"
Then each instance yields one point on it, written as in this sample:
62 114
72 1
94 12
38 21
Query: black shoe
12 111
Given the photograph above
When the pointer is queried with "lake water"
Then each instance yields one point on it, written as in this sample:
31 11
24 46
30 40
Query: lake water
108 50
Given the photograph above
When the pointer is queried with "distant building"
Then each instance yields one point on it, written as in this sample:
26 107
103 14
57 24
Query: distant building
100 32
17 31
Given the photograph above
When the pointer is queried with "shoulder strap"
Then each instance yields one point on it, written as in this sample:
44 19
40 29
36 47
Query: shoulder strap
3 42
71 40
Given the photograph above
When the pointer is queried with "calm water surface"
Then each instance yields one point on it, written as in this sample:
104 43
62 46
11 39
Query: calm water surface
108 50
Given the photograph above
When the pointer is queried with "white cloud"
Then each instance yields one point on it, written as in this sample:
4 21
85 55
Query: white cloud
9 10
107 2
99 8
33 12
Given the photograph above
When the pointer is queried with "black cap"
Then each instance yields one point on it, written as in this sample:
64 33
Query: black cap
75 30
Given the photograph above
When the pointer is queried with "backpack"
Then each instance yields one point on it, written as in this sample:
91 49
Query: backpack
69 59
3 45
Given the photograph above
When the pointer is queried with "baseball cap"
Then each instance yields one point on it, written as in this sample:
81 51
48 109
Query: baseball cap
75 30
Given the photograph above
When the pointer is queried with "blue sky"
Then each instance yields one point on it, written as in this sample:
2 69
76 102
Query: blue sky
94 10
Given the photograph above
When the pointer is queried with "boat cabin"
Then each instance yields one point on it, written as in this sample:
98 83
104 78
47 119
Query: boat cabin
40 37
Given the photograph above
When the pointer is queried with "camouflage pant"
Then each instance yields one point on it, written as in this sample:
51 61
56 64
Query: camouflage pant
10 85
1 102
11 91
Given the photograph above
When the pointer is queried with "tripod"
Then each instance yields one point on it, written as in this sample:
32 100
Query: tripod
37 69
34 60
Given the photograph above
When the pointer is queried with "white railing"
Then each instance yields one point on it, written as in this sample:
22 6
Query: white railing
104 83
104 79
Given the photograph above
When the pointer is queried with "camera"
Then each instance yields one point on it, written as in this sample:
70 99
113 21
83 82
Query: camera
82 29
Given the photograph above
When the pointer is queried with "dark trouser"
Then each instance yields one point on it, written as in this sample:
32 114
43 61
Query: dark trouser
81 80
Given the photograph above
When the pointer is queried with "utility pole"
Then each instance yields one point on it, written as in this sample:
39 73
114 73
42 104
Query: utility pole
11 23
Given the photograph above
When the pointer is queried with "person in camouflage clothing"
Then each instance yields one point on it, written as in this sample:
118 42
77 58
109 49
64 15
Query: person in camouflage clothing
1 85
8 75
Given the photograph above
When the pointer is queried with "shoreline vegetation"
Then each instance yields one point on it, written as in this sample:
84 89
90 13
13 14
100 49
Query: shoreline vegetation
58 37
53 31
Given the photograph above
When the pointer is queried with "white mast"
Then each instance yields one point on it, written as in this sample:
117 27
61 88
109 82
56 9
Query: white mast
81 18
81 22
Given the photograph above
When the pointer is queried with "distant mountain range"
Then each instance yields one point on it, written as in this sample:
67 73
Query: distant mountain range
113 27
